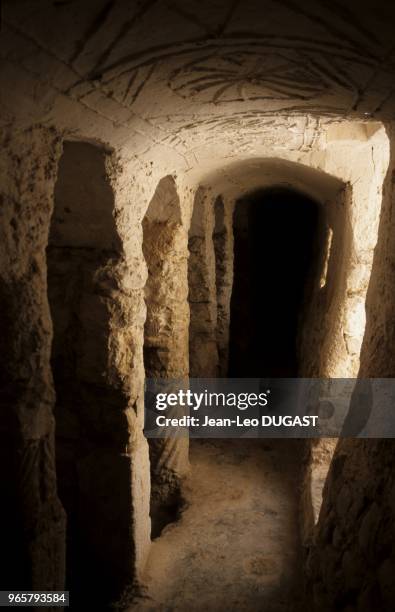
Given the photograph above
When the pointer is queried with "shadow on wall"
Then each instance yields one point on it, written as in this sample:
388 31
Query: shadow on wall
90 425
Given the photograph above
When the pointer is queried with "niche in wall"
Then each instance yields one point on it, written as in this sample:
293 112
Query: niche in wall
83 244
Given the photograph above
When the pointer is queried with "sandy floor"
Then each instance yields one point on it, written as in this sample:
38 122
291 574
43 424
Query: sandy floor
236 546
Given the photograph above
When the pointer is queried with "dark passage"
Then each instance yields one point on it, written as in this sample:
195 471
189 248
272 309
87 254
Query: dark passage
276 253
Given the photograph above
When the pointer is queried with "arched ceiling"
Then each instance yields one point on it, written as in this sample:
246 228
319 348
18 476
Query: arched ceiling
176 73
240 178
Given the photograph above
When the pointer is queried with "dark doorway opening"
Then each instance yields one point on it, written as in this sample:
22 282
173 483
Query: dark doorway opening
277 249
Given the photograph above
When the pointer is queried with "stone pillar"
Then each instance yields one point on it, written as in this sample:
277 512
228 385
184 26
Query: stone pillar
31 516
203 352
127 511
166 336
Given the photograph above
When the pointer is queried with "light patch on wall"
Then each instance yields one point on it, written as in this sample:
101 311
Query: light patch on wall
354 325
328 248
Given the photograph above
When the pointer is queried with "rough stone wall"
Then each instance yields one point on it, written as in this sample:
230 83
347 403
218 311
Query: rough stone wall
32 518
210 274
351 563
165 251
377 355
334 325
223 248
203 352
166 336
322 323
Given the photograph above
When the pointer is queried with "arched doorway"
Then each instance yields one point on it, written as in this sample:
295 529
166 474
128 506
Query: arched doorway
278 249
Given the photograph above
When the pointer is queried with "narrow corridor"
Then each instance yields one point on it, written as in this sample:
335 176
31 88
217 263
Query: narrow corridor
196 190
235 546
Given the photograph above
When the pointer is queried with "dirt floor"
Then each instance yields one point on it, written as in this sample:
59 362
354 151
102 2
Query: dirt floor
236 545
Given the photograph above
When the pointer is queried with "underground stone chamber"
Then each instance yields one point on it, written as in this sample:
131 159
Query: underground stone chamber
128 143
191 276
217 263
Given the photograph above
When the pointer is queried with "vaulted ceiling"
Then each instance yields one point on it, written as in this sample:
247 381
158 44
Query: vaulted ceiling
172 71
